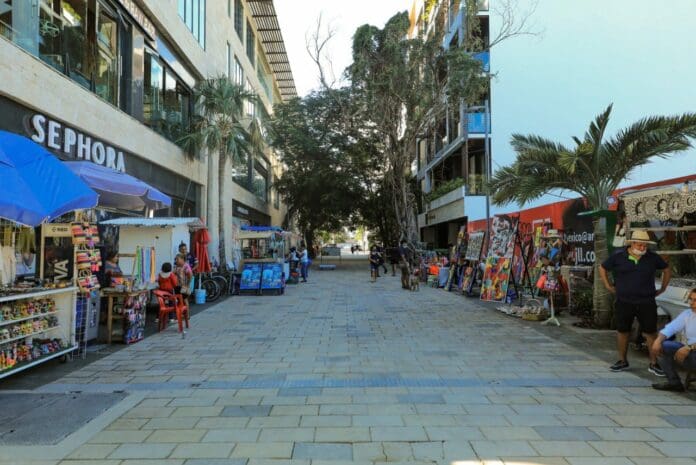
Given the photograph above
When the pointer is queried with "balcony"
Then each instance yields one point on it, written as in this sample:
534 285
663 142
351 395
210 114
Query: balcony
476 123
447 207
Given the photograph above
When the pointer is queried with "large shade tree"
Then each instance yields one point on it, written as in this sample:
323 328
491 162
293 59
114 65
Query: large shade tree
593 167
220 128
323 152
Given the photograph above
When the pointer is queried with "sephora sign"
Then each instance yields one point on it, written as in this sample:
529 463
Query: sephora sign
60 138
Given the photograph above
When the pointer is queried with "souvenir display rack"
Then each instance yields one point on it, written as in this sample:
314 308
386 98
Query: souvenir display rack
128 307
36 327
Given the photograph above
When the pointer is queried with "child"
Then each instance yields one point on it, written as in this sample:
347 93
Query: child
167 280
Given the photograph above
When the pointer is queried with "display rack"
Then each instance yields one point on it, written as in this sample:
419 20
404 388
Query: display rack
128 308
42 338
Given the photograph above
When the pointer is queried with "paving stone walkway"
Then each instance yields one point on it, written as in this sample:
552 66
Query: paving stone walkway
341 371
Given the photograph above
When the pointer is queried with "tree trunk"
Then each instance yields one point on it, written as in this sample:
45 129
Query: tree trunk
601 297
309 240
222 164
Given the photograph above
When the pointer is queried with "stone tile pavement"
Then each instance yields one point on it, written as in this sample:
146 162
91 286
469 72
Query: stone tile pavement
341 371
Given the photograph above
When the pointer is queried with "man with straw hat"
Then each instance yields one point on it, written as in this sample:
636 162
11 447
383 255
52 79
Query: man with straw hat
634 270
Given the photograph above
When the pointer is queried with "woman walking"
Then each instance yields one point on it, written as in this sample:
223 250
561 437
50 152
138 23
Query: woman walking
374 263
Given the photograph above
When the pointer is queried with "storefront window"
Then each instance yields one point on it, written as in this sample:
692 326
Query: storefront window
276 194
153 96
239 19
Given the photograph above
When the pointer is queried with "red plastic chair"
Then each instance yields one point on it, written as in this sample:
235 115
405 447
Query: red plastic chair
168 304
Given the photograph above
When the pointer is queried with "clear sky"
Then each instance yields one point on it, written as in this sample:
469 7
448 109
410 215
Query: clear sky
639 55
298 19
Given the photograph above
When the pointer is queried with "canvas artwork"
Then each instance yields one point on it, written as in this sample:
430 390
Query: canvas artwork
496 277
467 280
503 230
473 250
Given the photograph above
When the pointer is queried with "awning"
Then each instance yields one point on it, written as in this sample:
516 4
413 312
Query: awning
192 223
35 186
256 235
117 189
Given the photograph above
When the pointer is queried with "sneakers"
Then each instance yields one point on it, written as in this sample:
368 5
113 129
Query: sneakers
621 365
676 387
655 369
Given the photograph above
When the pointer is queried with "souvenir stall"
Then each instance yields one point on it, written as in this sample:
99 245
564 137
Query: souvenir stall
669 215
263 267
144 245
37 316
497 271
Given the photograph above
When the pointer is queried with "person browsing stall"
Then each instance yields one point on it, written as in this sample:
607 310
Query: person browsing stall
634 270
374 259
672 353
167 280
183 273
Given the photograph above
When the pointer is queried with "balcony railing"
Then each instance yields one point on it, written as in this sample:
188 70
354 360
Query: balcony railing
476 123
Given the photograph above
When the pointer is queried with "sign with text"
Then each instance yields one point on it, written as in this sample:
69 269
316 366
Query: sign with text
272 277
251 277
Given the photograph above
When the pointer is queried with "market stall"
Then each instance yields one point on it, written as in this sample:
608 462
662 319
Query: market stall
37 316
263 267
669 214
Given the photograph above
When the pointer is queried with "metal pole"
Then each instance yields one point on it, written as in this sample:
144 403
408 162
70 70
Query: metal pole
487 170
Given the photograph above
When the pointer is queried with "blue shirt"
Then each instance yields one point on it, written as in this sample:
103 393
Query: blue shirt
635 282
686 322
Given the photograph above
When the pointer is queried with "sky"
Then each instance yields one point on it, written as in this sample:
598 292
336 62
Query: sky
298 20
589 54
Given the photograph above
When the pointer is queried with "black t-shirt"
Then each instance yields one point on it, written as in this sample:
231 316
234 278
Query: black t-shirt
634 282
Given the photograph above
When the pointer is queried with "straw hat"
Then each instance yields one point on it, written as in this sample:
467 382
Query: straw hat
552 234
641 236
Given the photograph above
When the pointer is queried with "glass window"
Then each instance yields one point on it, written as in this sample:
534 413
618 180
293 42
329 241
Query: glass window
250 107
240 171
194 19
250 43
238 76
182 9
229 8
201 27
276 195
228 64
106 72
153 95
239 19
189 14
260 185
75 45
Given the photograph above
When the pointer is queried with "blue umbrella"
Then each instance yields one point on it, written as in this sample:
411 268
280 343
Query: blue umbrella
117 189
35 186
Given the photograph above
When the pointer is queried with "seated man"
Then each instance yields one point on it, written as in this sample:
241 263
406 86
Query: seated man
672 351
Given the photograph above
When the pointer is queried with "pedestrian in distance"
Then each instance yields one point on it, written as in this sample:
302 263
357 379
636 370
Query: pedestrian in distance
304 263
393 253
374 259
380 250
671 353
405 264
634 271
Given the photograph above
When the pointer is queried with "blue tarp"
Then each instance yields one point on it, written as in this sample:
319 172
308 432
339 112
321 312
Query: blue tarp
35 186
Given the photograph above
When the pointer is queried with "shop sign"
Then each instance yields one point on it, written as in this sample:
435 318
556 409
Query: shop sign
73 143
581 245
140 17
57 230
241 211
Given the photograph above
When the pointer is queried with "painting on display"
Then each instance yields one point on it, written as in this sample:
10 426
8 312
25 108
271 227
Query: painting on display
272 277
496 278
467 280
473 250
251 277
503 230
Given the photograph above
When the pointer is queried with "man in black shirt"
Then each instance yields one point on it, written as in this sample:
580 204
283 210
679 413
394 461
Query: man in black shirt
634 286
405 263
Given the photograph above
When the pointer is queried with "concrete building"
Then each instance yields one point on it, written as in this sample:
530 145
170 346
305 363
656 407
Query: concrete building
451 158
111 81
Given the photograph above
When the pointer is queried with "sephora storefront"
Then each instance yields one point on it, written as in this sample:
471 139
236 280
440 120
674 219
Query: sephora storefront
71 143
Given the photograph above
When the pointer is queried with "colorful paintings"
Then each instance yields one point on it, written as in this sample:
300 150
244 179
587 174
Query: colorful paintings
473 251
503 230
496 277
251 277
272 277
467 280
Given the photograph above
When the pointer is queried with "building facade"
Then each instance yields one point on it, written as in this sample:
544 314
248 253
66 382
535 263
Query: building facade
111 81
451 158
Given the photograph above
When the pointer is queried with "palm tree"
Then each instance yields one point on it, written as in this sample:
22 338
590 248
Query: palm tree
594 168
218 127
